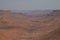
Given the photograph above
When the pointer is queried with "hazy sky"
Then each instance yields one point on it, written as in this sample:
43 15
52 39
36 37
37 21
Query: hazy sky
29 4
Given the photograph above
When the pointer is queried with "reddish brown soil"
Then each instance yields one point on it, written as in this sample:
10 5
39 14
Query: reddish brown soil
14 26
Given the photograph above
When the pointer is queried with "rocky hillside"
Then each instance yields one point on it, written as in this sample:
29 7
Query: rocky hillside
14 26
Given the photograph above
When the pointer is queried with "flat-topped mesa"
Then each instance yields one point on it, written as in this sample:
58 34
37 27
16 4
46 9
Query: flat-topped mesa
56 10
2 12
5 11
54 13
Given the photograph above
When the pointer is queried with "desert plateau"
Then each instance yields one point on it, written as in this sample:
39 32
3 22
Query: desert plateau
32 25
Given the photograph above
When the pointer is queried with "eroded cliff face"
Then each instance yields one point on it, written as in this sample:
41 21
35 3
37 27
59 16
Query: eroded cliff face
14 26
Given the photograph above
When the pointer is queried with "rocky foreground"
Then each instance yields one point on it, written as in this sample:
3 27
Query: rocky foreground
15 26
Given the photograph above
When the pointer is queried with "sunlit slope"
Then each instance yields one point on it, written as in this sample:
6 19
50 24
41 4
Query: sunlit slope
14 26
